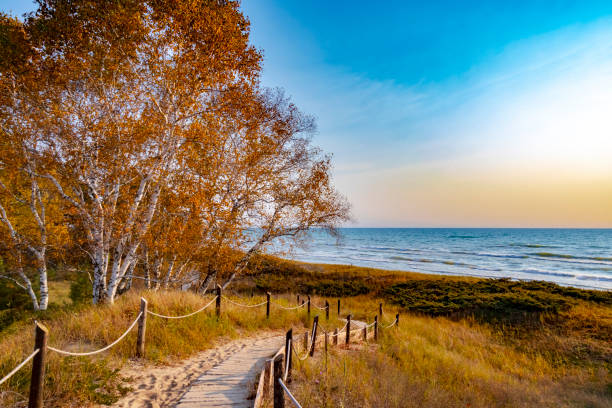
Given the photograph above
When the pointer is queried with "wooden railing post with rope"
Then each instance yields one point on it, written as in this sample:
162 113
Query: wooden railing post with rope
142 327
279 393
288 349
218 305
348 329
375 328
274 369
38 367
315 326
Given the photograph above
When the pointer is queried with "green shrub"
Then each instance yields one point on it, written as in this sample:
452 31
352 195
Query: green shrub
81 289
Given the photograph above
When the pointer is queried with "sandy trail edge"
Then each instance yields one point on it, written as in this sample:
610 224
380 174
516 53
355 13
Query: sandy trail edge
163 386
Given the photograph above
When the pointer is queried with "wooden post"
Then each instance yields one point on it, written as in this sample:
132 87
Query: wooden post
142 328
315 326
375 328
365 333
338 307
37 381
279 393
268 305
335 340
326 310
288 355
306 341
267 376
298 297
380 312
218 303
348 329
397 320
326 341
308 307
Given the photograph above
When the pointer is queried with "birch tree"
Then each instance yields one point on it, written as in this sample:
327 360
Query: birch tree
134 82
26 205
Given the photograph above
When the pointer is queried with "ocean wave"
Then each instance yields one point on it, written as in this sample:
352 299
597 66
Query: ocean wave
532 245
548 273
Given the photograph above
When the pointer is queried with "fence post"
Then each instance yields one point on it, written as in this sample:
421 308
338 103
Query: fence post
267 376
397 320
288 356
338 307
365 333
306 341
375 328
37 381
315 326
308 307
335 340
142 328
279 393
326 310
348 329
298 297
380 312
218 303
268 305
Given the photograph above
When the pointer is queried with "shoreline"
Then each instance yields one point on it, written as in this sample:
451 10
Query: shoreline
444 274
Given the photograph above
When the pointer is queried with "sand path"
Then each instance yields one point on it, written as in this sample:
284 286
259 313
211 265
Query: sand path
219 377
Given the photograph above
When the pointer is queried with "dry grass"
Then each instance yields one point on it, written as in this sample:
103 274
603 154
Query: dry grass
84 381
436 362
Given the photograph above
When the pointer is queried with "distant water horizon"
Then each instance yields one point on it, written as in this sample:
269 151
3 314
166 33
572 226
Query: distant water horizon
576 257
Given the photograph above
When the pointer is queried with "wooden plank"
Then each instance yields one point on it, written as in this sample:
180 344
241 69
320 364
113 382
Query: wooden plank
229 383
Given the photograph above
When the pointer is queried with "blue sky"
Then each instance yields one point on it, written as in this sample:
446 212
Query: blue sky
446 113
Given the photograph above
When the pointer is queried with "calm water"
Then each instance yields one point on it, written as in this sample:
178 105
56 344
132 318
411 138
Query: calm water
574 257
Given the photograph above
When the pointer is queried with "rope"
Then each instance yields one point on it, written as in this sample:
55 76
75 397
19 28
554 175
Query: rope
28 358
287 359
183 316
289 308
69 353
291 397
297 356
392 324
342 329
320 308
243 305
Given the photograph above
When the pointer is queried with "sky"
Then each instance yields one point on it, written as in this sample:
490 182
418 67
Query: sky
450 114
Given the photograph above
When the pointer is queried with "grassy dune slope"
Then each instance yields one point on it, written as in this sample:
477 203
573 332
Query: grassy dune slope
462 341
82 381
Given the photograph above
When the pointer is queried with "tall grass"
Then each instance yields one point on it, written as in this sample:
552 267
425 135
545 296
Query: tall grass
436 362
83 381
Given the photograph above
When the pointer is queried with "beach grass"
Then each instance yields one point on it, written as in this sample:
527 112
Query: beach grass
462 341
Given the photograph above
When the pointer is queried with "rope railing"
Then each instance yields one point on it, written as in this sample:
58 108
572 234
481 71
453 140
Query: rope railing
243 304
287 360
288 308
39 353
291 397
390 325
90 353
24 362
183 316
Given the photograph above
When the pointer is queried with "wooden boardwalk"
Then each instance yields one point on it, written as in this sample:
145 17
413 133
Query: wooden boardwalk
231 383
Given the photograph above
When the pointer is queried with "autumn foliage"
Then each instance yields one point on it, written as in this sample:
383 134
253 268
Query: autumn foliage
140 132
